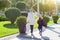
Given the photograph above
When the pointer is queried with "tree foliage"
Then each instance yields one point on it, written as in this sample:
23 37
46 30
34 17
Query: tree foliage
45 7
15 1
12 14
21 5
58 6
4 4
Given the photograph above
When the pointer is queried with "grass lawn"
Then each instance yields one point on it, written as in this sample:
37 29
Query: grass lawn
6 28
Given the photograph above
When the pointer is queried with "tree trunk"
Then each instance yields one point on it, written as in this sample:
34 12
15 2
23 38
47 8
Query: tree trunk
43 14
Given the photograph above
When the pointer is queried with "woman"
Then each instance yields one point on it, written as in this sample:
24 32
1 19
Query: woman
31 20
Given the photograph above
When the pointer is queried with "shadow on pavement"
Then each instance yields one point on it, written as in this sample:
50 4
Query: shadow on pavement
51 28
45 38
58 35
26 37
58 23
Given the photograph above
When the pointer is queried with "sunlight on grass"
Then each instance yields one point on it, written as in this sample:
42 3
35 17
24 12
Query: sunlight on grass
50 22
7 30
36 25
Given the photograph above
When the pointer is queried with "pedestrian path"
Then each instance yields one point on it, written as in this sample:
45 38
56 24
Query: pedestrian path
52 32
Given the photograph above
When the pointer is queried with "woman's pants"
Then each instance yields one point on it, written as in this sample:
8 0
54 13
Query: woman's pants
31 28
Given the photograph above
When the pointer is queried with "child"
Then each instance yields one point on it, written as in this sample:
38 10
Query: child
40 24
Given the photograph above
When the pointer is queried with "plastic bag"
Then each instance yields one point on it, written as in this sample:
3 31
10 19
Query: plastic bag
43 29
27 27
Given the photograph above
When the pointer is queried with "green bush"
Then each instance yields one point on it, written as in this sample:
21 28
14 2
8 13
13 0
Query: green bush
46 19
4 4
3 18
55 18
12 14
22 6
21 21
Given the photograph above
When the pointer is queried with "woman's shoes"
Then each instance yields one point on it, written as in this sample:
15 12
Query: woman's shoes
32 34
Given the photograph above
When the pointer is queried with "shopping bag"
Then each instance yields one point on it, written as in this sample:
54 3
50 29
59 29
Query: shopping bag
43 29
27 27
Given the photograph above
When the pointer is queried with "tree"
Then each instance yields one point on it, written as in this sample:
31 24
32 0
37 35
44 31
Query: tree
21 5
58 6
12 14
45 7
4 4
30 3
52 6
15 1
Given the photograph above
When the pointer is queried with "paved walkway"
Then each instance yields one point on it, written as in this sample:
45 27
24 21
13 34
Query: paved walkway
51 33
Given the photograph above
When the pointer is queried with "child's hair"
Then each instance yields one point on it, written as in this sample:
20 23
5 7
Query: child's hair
40 17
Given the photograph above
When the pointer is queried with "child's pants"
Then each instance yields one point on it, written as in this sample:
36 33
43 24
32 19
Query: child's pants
40 30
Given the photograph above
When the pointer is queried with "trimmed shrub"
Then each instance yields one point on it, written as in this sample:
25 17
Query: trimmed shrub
22 6
4 4
46 20
12 14
21 23
3 18
55 18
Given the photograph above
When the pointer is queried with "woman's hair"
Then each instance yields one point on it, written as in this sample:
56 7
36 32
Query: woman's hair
32 9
